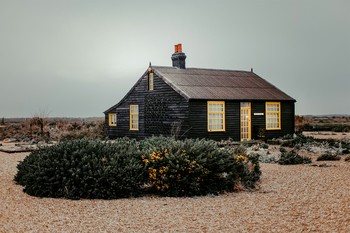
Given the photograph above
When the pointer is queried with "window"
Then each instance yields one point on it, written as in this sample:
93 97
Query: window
134 117
273 115
216 116
112 119
150 81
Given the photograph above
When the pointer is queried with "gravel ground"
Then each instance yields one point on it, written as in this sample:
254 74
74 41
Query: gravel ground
328 135
296 198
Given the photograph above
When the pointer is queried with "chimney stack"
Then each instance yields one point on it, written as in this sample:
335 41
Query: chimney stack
179 57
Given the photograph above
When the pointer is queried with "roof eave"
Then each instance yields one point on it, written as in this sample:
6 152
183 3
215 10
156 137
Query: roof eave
171 84
127 94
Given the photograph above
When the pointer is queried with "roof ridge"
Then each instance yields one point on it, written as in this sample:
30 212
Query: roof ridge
196 68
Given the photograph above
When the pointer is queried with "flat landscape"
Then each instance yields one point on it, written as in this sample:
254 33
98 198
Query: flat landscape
174 116
293 198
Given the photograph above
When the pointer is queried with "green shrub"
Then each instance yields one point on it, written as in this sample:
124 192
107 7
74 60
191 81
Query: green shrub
288 143
241 150
293 157
264 146
346 147
196 167
83 169
328 156
283 150
122 168
298 140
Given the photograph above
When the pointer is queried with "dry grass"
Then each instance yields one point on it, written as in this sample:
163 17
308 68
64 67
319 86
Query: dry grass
335 123
300 198
329 135
52 129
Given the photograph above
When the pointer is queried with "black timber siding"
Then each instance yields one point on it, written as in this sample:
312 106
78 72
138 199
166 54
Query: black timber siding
166 111
287 121
162 111
259 121
198 120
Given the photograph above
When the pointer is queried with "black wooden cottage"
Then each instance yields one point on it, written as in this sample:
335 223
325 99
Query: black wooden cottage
201 103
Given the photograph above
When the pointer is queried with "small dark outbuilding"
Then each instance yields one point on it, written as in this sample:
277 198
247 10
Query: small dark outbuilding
201 103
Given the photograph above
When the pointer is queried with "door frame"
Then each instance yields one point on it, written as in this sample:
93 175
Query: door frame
245 124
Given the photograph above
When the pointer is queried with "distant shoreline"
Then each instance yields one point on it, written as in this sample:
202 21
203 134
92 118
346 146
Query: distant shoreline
21 119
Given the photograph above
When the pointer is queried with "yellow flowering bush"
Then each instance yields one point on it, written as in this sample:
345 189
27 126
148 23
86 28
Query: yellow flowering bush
241 158
195 167
173 173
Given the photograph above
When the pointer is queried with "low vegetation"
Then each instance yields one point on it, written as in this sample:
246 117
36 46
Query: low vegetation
292 157
123 168
322 123
328 157
82 166
37 129
83 169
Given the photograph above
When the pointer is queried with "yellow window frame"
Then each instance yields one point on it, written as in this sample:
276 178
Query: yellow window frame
273 115
112 119
134 117
150 81
216 112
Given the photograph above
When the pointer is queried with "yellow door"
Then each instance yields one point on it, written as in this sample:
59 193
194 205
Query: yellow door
245 121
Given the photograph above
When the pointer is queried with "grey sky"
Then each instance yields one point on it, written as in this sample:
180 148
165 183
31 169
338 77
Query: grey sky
80 57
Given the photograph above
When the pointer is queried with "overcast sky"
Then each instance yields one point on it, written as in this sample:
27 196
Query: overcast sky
77 58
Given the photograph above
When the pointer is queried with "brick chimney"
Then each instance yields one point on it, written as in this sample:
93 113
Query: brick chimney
179 57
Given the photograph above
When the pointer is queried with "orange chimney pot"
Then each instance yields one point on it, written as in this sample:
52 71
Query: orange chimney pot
178 48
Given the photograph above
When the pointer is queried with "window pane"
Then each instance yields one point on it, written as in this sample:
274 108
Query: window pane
150 81
216 112
134 117
273 115
245 104
112 119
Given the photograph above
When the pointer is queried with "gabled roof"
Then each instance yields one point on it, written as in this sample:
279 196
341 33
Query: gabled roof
214 84
127 94
195 83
